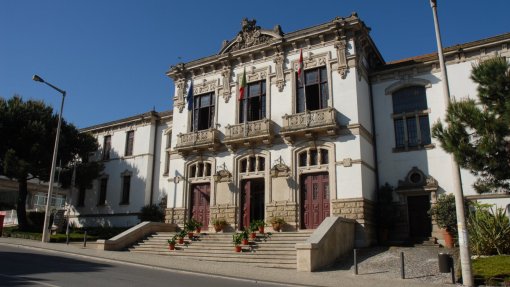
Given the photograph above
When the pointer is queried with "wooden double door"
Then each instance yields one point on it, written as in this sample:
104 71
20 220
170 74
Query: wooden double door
315 201
252 201
200 203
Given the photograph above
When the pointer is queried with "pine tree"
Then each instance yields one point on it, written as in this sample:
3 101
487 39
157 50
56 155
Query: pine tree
477 132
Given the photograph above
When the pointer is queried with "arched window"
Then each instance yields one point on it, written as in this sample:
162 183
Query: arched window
313 157
200 170
410 118
253 164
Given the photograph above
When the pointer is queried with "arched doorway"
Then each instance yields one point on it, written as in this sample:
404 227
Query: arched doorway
252 201
315 202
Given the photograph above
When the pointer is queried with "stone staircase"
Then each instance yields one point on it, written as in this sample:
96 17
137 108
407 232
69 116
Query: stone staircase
275 251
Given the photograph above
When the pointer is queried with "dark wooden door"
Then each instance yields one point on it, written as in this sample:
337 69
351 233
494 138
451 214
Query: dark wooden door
252 201
420 224
314 199
200 202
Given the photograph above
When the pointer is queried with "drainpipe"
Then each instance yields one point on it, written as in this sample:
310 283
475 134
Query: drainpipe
153 173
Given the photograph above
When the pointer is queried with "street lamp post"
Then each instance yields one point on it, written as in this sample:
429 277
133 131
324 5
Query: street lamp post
46 235
465 256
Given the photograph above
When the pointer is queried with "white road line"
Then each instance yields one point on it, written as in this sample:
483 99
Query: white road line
22 279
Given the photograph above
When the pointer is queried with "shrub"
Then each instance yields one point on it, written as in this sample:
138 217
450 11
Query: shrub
444 212
489 230
151 212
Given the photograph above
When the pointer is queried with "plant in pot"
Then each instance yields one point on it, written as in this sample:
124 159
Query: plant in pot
197 224
385 212
237 239
219 224
190 226
253 229
260 225
245 237
181 236
171 242
443 211
277 223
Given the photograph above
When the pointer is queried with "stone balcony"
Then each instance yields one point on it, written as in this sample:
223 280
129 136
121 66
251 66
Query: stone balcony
309 124
199 141
251 133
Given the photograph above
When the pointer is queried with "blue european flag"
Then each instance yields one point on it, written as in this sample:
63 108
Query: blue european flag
190 96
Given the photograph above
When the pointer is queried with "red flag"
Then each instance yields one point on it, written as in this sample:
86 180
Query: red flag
300 68
242 86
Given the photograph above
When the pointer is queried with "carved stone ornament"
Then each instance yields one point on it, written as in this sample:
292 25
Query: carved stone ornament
205 87
311 62
225 73
249 35
416 178
280 76
342 58
179 95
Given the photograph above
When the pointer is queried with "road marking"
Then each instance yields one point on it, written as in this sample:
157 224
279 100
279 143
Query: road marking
19 278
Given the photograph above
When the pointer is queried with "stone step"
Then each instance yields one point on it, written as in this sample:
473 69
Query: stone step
205 249
223 253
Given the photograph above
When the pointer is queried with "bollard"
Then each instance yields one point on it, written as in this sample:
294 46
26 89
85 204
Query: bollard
355 263
402 268
67 238
85 239
446 264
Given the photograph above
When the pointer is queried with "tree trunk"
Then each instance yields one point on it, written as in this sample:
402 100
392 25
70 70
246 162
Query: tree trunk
21 204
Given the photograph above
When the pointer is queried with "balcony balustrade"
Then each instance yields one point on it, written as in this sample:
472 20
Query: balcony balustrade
309 124
251 133
204 140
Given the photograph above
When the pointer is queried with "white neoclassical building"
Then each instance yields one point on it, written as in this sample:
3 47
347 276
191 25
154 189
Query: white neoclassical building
299 147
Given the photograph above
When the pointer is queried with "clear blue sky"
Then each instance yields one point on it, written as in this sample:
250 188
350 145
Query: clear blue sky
111 56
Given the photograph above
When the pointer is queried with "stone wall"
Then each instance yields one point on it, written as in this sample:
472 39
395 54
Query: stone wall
175 215
227 212
363 211
285 209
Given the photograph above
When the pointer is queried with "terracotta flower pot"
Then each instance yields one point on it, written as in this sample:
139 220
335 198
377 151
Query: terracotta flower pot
277 227
181 240
448 238
198 230
190 235
171 246
238 248
261 229
245 242
218 228
253 235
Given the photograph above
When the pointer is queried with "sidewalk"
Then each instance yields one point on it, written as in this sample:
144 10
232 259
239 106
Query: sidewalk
336 277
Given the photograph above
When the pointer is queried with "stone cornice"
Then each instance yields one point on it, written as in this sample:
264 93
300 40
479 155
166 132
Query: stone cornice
144 118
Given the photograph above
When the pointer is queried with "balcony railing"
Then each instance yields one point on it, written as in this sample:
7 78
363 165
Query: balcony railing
260 131
198 141
309 122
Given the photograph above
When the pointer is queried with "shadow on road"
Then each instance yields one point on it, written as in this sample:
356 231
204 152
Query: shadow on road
17 267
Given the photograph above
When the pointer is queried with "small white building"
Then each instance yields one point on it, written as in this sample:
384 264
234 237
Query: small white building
134 152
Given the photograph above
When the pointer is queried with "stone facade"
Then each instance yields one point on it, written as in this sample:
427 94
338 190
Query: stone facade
175 215
361 210
225 211
287 210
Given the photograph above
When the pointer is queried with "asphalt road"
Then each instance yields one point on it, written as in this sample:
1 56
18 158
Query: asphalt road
29 267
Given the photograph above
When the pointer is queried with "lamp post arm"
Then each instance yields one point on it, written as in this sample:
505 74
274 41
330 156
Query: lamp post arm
56 88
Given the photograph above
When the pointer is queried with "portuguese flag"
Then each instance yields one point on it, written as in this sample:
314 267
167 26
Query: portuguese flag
242 86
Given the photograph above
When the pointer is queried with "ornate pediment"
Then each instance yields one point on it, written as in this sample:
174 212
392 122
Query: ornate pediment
417 178
251 35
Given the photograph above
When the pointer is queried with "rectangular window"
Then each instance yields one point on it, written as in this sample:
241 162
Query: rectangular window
254 102
102 191
410 118
126 186
107 146
315 90
130 137
203 112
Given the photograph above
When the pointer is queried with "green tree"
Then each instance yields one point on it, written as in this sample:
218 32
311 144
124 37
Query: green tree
27 133
477 133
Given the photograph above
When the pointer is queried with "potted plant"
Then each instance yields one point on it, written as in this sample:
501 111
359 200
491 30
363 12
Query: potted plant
277 223
219 224
443 211
260 225
245 237
190 226
253 229
236 239
197 224
181 236
171 242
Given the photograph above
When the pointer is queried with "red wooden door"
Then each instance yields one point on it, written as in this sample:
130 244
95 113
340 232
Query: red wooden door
314 200
252 201
201 194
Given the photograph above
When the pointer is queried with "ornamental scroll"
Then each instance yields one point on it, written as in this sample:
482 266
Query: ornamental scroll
342 58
